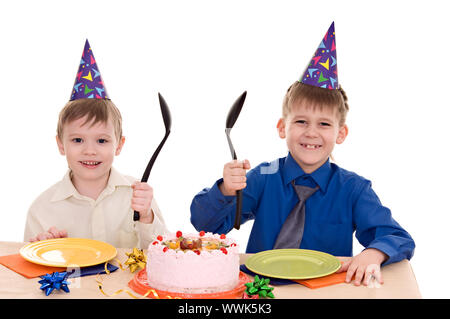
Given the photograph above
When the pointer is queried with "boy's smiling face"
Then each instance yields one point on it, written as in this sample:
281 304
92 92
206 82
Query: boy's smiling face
311 133
89 149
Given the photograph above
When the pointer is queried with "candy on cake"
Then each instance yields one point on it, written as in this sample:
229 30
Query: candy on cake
193 263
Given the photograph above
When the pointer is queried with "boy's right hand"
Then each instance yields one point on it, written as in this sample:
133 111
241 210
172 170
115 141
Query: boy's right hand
234 178
51 233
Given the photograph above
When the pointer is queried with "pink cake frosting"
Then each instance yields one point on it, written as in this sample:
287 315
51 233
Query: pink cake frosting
195 270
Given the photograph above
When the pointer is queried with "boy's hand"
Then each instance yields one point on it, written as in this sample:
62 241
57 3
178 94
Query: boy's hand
234 178
364 266
142 200
51 233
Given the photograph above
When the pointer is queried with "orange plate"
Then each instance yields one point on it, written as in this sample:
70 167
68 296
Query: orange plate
139 285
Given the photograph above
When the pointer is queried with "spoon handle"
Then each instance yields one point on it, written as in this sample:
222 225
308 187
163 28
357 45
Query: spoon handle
136 215
237 218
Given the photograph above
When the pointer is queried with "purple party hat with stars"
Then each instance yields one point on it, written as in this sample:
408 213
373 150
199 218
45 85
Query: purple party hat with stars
88 82
322 70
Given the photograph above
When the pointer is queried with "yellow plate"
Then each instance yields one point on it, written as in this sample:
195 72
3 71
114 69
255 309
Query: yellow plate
68 252
293 263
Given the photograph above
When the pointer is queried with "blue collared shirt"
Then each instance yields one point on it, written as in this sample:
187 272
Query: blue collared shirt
344 203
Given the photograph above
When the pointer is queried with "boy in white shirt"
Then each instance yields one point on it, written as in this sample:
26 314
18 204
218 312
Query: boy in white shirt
93 200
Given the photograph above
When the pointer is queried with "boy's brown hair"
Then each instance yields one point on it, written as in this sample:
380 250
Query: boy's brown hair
317 97
96 110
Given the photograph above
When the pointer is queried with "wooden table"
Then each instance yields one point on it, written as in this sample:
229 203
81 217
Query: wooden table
399 282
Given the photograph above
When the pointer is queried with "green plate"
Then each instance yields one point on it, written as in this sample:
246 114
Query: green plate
293 263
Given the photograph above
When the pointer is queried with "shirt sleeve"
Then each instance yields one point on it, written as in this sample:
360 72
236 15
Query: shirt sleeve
148 232
32 225
375 227
212 211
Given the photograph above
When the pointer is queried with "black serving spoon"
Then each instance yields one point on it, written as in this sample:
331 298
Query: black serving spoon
233 114
167 123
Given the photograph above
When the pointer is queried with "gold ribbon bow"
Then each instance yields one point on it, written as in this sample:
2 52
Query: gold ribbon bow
136 259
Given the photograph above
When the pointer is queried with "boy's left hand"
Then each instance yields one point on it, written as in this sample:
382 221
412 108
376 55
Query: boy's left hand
364 266
142 200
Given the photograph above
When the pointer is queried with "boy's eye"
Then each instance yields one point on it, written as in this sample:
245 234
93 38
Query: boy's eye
325 124
102 141
300 121
77 140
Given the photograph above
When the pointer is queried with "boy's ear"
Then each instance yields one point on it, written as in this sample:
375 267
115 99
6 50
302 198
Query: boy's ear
120 145
60 146
281 127
342 134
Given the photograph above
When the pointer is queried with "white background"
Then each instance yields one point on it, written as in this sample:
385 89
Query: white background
201 55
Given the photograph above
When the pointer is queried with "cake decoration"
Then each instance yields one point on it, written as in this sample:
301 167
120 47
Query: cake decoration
194 244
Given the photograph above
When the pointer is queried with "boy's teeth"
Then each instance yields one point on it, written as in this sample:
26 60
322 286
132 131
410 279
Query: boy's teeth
311 146
90 163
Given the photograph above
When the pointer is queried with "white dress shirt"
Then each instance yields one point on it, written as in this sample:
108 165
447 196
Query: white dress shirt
109 218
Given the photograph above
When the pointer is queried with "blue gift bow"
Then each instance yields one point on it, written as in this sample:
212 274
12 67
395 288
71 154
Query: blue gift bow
58 280
53 281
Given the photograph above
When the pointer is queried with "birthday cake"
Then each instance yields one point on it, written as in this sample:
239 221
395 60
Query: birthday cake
193 263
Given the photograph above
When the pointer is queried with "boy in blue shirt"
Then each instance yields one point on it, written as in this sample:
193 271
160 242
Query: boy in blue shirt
340 202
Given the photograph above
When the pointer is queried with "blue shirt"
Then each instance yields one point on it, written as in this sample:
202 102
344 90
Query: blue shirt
344 203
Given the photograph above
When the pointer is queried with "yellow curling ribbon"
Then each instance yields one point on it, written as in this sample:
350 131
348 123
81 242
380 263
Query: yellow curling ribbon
100 287
106 266
136 259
